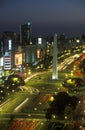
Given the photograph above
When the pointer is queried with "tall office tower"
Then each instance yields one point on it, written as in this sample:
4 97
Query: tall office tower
9 41
25 33
55 62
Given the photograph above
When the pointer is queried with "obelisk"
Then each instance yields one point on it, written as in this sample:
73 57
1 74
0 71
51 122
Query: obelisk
55 62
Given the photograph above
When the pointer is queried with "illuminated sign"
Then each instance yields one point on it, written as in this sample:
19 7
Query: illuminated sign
10 44
39 40
18 59
1 61
7 61
38 53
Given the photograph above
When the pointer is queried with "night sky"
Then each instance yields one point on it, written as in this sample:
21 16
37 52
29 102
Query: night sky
46 16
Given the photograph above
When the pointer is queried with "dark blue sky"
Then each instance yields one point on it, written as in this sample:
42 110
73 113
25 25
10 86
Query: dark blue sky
46 16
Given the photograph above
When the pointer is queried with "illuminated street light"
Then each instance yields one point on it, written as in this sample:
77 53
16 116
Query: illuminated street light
29 72
77 40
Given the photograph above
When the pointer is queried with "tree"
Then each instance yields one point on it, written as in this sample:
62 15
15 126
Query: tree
73 102
62 100
73 83
49 114
2 93
14 81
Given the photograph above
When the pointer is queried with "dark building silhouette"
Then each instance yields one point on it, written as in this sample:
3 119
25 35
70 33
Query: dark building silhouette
25 33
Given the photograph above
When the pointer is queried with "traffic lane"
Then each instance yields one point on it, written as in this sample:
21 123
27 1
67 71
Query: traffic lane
39 103
13 102
33 103
22 124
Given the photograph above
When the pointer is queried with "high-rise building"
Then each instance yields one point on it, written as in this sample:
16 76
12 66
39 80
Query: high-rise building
25 33
8 47
9 41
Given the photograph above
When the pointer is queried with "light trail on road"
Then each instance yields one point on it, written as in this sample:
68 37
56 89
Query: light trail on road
21 105
63 65
11 102
5 104
24 124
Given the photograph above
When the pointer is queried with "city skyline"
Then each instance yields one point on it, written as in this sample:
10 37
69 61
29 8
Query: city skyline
47 17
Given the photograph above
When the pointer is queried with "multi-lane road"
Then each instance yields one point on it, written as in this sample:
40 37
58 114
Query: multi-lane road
28 105
30 110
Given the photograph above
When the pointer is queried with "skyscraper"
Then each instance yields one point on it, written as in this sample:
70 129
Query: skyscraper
25 33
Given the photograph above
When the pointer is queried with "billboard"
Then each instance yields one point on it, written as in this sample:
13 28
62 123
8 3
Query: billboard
38 53
39 40
18 59
7 61
10 44
1 61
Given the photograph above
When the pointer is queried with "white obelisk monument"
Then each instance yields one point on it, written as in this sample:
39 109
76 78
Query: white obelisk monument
55 62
